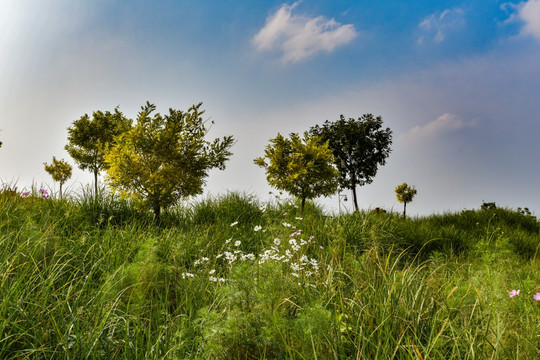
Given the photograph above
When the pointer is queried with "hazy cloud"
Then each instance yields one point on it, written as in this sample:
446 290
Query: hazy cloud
438 24
443 124
300 37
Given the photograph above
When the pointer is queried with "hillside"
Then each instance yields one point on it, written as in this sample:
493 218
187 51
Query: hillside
233 278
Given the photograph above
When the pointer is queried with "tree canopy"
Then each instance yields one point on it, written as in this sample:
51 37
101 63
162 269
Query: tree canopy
359 147
89 139
405 194
162 159
304 168
60 171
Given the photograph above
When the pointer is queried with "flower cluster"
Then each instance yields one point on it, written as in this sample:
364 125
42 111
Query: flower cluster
516 293
287 252
42 193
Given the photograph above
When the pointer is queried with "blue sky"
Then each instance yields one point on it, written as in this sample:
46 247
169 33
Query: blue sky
458 82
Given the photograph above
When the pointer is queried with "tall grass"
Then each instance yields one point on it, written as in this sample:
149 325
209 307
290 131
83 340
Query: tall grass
233 278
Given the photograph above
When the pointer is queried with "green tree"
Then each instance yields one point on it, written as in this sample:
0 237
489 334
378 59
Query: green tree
304 168
405 194
164 158
60 171
359 147
89 139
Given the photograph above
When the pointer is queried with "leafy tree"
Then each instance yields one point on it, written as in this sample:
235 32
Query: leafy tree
359 147
405 194
304 168
89 139
60 171
164 158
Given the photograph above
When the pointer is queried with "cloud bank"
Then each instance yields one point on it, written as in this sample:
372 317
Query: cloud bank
300 37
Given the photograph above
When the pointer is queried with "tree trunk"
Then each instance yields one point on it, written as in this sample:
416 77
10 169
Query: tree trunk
95 182
354 199
60 190
405 210
303 204
157 214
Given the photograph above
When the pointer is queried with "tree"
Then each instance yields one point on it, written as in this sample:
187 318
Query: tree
359 147
405 194
89 139
164 158
304 168
60 171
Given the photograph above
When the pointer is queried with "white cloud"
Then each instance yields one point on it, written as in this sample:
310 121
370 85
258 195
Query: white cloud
529 14
300 37
438 24
443 124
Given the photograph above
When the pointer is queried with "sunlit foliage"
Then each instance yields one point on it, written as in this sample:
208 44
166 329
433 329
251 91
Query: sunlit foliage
89 139
405 194
60 171
302 167
164 158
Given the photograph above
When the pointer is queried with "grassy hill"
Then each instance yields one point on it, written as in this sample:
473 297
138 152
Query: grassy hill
232 278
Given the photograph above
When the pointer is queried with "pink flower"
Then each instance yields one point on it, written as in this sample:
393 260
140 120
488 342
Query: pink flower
537 297
514 293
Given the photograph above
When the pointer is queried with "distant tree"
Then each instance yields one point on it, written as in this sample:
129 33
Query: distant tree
89 139
359 147
60 171
304 168
405 194
164 158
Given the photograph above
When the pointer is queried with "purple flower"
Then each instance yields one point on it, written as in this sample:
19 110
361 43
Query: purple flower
537 297
26 193
514 293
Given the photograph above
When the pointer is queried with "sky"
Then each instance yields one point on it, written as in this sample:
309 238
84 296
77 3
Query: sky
457 82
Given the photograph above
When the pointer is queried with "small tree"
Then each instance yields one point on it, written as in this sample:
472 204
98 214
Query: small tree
60 171
359 147
164 158
89 139
302 168
405 194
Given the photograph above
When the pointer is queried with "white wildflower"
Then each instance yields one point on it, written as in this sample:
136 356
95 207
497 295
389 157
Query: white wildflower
237 243
234 223
257 228
277 242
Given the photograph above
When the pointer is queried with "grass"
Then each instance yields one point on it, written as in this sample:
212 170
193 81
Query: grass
232 278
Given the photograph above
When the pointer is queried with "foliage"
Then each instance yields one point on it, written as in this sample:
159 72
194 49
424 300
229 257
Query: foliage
164 158
60 171
405 194
89 139
302 167
359 147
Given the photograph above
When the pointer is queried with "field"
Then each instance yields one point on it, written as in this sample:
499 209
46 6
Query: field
234 278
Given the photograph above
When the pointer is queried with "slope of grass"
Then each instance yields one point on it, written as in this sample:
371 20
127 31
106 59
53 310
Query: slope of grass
232 278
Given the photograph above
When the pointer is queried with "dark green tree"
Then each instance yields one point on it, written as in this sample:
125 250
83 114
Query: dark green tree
164 158
405 194
304 168
90 138
359 147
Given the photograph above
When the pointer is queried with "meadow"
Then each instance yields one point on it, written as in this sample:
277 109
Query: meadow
89 277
